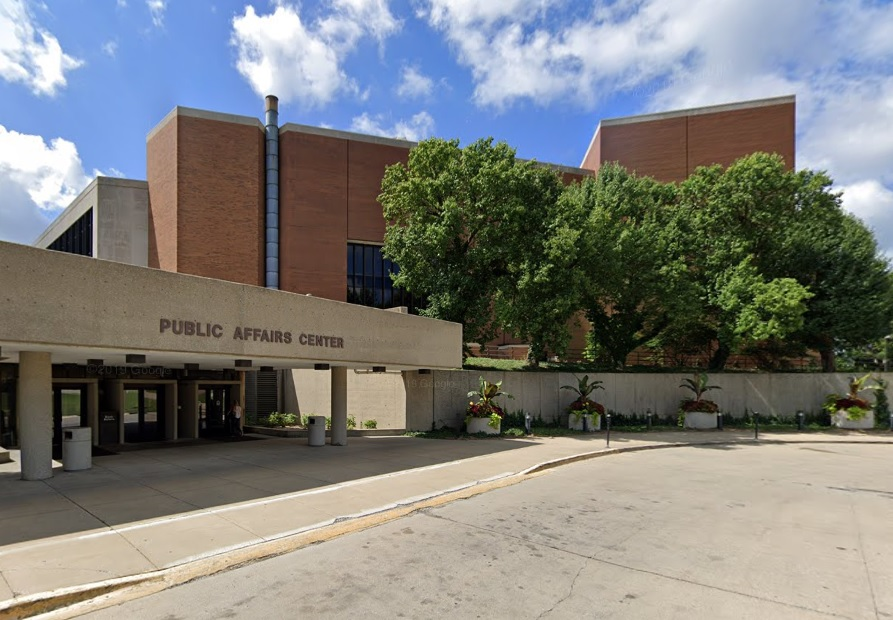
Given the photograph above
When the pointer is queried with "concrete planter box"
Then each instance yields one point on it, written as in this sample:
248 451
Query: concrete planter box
482 425
840 420
700 420
593 422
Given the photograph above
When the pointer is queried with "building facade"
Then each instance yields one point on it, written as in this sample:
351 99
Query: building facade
236 199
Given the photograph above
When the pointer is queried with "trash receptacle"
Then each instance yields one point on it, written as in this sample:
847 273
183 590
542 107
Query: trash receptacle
316 427
76 448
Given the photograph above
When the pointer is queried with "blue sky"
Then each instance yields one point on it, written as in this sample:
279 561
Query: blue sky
83 81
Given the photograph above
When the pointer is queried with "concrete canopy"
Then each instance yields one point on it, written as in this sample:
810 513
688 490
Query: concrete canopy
80 308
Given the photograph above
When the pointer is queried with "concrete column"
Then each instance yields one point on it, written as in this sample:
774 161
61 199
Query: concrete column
115 399
187 418
170 411
93 409
339 406
35 413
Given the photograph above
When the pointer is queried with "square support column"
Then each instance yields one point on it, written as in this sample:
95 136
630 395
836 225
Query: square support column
35 413
339 406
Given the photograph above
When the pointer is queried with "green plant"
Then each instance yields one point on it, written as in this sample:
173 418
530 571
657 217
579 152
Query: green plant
486 407
698 385
514 432
881 402
584 387
328 424
370 424
583 405
305 419
351 422
852 404
276 419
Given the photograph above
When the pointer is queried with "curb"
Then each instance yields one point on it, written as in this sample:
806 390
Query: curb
77 600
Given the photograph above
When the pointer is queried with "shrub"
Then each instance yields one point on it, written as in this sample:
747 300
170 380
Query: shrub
370 424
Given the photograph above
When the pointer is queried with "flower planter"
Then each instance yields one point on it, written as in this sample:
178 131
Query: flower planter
841 420
700 420
482 425
593 422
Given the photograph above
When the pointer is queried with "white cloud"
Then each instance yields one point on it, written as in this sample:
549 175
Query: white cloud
414 84
37 180
284 54
419 127
30 54
157 9
110 48
669 54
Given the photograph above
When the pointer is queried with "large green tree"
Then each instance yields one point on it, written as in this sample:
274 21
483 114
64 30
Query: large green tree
736 219
834 254
635 275
476 232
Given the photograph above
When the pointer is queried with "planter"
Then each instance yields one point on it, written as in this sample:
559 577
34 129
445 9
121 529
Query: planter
593 422
700 420
482 425
841 420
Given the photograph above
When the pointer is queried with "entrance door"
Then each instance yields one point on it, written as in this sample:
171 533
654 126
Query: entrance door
69 409
143 413
213 403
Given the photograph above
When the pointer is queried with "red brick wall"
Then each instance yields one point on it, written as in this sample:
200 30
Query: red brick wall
220 200
723 137
670 149
653 148
161 174
313 198
366 165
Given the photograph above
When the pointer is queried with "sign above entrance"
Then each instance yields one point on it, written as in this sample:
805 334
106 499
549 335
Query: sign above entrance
179 327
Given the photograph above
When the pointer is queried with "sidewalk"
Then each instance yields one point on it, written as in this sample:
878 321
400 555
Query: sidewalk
140 512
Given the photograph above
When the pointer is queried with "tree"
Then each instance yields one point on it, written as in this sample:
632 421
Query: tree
476 232
736 219
836 256
635 276
541 292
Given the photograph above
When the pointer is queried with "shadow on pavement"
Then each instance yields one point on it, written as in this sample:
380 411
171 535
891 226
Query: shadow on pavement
139 484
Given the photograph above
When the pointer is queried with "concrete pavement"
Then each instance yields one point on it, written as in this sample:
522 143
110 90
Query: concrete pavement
194 509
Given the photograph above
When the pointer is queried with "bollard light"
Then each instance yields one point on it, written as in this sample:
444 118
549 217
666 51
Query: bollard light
648 418
800 417
527 424
608 434
719 420
756 425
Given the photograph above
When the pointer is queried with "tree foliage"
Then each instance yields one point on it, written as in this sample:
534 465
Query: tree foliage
749 257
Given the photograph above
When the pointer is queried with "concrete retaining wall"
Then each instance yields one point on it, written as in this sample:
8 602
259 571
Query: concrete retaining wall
419 402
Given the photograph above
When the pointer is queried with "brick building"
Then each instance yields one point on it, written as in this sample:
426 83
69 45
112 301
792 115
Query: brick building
295 207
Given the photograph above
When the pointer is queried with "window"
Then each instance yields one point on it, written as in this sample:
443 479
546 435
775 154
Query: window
78 239
369 279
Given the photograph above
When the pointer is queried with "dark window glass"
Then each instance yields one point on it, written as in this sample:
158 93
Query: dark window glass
78 239
369 281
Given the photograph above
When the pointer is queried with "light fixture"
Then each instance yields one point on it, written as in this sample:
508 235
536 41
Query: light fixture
320 367
135 358
424 371
94 362
243 363
378 369
189 367
266 369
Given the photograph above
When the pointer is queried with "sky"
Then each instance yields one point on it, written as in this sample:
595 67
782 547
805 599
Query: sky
83 81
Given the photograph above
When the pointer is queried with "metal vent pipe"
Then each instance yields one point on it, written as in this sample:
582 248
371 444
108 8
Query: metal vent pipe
271 129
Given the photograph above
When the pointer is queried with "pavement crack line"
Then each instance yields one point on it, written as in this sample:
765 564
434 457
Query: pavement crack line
644 571
864 560
566 596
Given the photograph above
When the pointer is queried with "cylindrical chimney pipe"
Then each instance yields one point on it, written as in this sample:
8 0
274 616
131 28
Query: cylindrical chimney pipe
271 130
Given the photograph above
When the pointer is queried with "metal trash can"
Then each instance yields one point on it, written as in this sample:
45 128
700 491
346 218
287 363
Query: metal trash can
316 427
77 448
